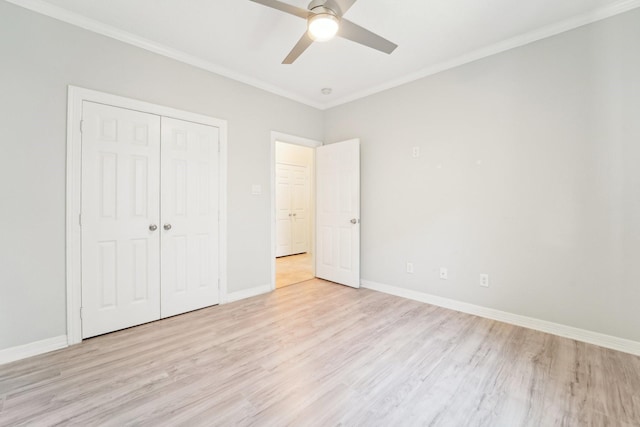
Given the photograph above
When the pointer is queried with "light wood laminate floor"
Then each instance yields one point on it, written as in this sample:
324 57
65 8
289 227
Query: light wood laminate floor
293 269
321 354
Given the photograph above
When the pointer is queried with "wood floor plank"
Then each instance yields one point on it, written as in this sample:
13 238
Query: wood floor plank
317 353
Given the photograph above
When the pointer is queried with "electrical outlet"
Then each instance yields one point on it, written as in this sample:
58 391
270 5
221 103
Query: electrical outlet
444 274
415 152
410 267
484 280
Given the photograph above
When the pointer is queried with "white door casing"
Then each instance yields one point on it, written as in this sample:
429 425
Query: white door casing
189 216
338 212
120 202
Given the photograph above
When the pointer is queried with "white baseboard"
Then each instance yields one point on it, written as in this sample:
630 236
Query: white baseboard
32 349
247 293
50 344
602 340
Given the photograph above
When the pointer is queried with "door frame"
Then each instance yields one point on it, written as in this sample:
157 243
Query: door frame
305 142
76 96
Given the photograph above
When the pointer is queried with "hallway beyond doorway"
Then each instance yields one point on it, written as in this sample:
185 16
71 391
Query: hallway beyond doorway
293 269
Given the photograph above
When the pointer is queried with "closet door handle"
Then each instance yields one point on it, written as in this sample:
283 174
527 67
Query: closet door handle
153 227
167 227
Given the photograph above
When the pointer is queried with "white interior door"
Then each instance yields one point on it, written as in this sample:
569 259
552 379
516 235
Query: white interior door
283 210
292 216
338 212
120 214
299 210
189 216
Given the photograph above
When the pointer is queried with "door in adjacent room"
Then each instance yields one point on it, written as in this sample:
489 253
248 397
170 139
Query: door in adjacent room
292 200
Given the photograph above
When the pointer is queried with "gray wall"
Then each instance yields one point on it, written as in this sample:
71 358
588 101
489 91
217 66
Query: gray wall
529 172
39 57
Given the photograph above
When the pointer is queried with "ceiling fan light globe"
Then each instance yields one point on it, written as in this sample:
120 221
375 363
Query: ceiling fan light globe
323 27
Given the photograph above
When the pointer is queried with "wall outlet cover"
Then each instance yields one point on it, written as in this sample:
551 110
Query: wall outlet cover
484 280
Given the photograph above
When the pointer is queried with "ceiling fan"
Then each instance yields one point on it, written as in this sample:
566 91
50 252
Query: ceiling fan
324 20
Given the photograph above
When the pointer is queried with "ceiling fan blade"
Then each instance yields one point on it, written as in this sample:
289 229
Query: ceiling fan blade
356 33
284 7
302 45
341 5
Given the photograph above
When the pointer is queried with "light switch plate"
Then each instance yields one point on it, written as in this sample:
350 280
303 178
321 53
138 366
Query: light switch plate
410 267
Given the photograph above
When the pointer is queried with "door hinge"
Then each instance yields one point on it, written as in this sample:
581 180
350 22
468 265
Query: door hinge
81 126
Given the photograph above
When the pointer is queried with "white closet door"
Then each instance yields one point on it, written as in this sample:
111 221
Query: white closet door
120 206
283 210
292 212
338 208
189 213
299 210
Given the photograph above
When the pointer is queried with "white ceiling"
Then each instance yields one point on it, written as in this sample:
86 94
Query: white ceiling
248 41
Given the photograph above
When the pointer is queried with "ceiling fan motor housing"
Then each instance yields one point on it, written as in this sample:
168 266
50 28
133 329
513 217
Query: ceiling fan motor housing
323 23
318 3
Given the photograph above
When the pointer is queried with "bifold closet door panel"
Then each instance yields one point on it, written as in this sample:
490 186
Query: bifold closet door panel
292 212
120 210
299 209
283 210
189 216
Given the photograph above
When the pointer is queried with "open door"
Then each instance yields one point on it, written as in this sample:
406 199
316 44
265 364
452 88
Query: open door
338 212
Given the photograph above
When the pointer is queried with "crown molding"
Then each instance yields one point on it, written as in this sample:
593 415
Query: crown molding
55 12
521 40
44 8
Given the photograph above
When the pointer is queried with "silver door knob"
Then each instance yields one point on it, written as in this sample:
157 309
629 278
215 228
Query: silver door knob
294 214
167 227
354 221
153 227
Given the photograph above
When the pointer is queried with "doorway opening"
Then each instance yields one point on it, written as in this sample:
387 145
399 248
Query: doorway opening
333 243
293 209
294 213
